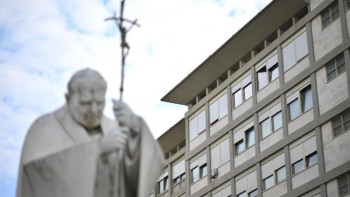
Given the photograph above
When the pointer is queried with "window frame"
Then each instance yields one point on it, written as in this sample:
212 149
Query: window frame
347 184
270 178
330 14
277 177
240 143
308 157
341 118
300 102
249 132
302 165
337 66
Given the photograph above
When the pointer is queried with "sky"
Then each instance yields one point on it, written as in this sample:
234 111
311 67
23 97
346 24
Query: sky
43 42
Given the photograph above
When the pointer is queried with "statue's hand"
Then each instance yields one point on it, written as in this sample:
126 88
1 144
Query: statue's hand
126 117
112 141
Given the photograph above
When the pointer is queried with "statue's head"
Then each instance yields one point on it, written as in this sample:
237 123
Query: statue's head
86 97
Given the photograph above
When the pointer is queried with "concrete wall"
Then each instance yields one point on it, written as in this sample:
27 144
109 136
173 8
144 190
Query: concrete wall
218 125
332 188
242 108
296 69
198 140
305 176
336 150
246 183
266 91
331 93
315 3
324 40
277 190
300 121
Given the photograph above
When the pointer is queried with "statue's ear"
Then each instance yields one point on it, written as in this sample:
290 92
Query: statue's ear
67 96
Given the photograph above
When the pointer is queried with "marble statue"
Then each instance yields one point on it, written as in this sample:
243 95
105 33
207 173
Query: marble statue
76 151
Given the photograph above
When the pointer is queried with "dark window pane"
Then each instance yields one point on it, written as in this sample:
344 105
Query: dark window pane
253 193
238 98
312 159
335 11
273 72
203 171
298 166
248 91
239 147
306 98
265 128
293 108
281 174
268 182
338 130
195 174
326 20
262 78
250 137
277 121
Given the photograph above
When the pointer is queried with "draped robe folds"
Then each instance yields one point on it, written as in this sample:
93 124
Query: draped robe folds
60 159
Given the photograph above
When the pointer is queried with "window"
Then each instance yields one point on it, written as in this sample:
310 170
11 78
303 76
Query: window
238 98
295 109
220 154
197 125
195 174
268 182
277 121
248 91
281 174
218 109
306 98
330 14
179 171
311 159
268 72
163 184
273 72
343 184
203 171
295 51
298 166
335 67
243 194
239 147
250 137
265 128
347 4
341 123
262 78
253 193
242 91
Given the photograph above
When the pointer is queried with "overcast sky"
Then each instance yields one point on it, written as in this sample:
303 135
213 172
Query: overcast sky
43 42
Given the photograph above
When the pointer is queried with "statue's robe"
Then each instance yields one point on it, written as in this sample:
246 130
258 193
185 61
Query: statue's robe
60 159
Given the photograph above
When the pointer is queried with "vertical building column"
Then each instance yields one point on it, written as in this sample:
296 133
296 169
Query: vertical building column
256 129
319 143
187 135
188 176
284 110
207 120
280 65
288 169
258 173
344 26
315 97
254 89
310 44
347 63
229 100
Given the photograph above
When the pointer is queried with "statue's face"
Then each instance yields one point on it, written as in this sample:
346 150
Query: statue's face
86 102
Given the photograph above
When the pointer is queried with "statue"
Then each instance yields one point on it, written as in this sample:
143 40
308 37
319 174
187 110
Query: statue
77 151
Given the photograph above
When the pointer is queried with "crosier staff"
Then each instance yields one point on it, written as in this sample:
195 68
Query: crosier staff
124 45
124 53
